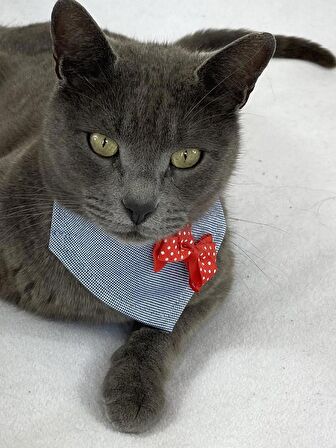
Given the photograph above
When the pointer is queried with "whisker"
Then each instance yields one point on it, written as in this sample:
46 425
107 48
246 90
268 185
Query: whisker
264 260
259 223
323 201
301 187
246 239
255 264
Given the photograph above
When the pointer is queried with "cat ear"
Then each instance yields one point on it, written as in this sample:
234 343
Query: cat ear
233 71
80 47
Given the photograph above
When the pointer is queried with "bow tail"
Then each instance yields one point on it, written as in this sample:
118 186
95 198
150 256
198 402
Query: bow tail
158 264
195 277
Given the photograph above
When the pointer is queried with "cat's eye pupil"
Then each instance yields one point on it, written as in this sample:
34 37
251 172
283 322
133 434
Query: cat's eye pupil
102 145
185 158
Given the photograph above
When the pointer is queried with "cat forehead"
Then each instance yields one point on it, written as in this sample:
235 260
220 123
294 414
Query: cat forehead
158 63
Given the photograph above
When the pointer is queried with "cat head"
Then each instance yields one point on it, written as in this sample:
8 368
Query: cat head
141 138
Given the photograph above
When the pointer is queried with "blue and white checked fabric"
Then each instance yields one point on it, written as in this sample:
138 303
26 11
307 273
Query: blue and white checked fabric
121 275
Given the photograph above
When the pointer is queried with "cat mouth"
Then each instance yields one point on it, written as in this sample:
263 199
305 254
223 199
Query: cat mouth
131 234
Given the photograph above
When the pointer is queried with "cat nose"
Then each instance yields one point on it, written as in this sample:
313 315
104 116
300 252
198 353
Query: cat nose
139 211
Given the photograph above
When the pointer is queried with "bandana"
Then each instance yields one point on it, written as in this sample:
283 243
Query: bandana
150 283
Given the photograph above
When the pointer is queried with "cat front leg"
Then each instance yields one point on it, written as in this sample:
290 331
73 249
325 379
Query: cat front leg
133 389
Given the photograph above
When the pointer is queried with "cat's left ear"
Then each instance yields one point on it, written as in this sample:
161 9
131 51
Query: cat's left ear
231 73
80 47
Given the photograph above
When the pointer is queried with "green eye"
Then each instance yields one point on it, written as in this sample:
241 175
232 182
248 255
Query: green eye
186 158
103 146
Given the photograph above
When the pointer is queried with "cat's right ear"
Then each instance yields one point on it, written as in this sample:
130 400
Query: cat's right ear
80 47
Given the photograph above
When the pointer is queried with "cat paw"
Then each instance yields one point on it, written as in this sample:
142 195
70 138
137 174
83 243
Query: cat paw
133 392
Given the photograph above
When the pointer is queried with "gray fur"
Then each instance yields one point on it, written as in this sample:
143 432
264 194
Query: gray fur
153 99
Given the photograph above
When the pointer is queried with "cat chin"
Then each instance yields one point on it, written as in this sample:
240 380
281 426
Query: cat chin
133 237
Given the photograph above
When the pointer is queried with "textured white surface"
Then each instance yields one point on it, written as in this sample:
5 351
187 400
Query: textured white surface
263 373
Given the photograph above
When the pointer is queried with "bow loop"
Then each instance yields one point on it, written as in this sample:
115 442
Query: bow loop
199 257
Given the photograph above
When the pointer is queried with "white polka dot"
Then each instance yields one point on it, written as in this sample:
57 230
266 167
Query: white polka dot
167 259
209 271
162 252
215 270
203 278
189 252
164 241
174 241
168 247
191 241
182 257
171 253
184 233
209 263
175 259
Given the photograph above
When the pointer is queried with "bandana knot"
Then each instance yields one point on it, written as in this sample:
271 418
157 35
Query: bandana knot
199 257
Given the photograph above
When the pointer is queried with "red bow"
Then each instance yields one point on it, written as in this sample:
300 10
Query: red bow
199 257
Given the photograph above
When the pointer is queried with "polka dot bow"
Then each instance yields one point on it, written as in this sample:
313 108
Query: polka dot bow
199 257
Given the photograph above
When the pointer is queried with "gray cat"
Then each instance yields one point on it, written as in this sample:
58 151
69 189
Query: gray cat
99 137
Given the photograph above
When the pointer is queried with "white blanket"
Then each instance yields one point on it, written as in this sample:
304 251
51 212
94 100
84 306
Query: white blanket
263 373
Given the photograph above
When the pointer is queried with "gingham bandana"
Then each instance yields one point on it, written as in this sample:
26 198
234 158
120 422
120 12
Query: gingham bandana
121 274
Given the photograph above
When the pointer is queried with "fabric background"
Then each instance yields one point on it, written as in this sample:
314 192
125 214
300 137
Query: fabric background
263 373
